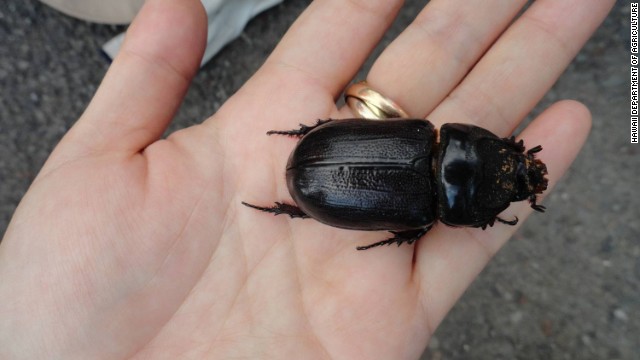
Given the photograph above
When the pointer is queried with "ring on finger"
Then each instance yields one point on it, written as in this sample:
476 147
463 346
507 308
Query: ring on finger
368 103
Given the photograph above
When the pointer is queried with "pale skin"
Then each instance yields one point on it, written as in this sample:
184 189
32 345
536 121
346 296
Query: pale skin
128 246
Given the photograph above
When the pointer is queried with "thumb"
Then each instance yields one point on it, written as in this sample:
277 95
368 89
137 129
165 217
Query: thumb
146 83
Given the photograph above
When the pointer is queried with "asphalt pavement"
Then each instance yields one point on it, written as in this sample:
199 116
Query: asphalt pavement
567 286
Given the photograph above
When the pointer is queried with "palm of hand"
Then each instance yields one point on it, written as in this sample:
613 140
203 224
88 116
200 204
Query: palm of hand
142 249
192 267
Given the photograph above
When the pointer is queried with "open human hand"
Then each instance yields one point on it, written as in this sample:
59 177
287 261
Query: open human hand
131 246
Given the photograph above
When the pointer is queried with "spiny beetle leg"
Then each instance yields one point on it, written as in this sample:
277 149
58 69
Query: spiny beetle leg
408 236
279 209
302 131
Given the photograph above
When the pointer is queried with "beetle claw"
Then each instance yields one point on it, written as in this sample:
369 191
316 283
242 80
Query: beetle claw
534 206
539 208
508 222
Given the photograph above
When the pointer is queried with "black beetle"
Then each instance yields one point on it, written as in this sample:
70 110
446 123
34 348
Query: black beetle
392 175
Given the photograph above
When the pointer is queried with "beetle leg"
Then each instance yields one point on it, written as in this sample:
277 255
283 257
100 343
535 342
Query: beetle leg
535 206
280 208
302 131
488 223
491 222
534 150
408 236
508 222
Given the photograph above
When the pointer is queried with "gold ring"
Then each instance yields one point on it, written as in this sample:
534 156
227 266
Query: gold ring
370 104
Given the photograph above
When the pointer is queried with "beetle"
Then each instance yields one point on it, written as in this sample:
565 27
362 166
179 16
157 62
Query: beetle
393 175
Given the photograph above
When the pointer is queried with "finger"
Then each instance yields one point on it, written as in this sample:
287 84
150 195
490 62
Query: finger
448 259
435 52
145 85
314 61
523 64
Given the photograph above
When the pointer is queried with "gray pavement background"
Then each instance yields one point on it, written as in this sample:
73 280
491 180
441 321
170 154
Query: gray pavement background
566 287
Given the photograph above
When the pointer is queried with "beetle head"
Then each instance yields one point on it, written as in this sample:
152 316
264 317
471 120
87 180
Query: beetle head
531 177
